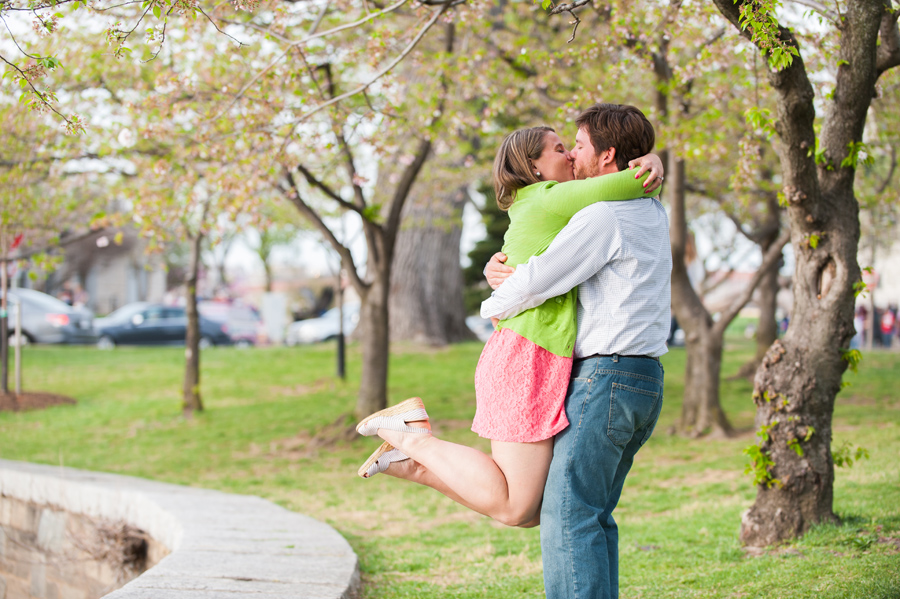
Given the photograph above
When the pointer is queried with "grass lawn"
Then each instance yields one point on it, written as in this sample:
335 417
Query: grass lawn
678 517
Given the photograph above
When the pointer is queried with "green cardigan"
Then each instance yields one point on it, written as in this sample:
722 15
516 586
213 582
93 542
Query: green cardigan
538 214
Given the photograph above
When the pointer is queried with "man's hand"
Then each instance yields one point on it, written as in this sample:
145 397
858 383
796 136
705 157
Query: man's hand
652 163
496 272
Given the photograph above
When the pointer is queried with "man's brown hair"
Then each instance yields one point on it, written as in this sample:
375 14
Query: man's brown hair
618 126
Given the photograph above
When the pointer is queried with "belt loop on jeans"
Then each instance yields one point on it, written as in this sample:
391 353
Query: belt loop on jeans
615 358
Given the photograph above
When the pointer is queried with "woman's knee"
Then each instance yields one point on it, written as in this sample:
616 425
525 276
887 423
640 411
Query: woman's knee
520 517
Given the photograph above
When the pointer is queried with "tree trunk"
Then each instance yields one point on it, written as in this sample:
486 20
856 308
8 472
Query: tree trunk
426 296
375 342
800 376
796 384
220 265
268 272
191 392
701 410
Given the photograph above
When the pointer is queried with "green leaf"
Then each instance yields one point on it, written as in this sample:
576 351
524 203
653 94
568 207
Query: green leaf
157 11
372 213
813 241
853 357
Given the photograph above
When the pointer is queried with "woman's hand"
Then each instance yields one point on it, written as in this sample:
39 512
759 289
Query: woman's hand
496 272
652 163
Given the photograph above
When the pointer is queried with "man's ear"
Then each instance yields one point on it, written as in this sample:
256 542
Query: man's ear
606 158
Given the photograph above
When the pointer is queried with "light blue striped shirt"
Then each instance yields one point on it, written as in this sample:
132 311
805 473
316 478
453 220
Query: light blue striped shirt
618 255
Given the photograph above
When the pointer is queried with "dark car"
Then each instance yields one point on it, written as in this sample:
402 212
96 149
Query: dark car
143 323
46 319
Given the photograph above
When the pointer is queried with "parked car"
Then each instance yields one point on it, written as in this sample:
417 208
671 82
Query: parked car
46 319
323 328
142 323
240 321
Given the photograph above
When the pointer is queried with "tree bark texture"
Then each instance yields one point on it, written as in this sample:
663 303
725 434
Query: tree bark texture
191 391
426 294
800 375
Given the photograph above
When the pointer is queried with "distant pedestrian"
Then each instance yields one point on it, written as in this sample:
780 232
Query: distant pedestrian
888 326
66 295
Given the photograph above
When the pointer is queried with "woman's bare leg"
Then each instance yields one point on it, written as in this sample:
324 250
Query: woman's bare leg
415 472
507 487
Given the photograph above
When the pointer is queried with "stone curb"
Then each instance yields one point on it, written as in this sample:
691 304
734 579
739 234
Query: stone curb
222 545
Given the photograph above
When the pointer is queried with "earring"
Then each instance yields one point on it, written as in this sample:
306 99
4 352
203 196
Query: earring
537 173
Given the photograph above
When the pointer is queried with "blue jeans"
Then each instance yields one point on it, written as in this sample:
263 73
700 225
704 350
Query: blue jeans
612 406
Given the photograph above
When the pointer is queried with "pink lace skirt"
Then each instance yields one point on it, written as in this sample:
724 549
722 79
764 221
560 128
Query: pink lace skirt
520 390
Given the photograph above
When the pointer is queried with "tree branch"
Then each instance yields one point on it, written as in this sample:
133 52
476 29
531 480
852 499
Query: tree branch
315 26
890 175
61 244
384 71
293 195
405 185
887 55
511 60
315 182
72 126
772 255
301 42
796 108
821 8
214 24
15 41
412 171
345 148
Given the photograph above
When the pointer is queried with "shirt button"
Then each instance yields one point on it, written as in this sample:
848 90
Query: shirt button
559 300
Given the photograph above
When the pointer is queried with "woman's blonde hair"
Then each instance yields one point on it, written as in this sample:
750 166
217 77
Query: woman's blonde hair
512 166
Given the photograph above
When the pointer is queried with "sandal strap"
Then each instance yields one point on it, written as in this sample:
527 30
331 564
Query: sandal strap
395 423
386 459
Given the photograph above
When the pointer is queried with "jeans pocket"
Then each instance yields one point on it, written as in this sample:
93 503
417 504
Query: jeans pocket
630 410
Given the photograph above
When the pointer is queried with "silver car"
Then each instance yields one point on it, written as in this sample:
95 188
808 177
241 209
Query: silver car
46 319
324 328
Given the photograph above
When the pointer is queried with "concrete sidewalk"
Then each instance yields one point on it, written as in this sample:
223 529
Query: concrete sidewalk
221 545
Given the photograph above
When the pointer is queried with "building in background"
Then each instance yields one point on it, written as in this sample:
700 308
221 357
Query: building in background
103 275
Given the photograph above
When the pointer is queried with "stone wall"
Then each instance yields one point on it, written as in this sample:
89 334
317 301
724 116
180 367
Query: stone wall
221 545
48 553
